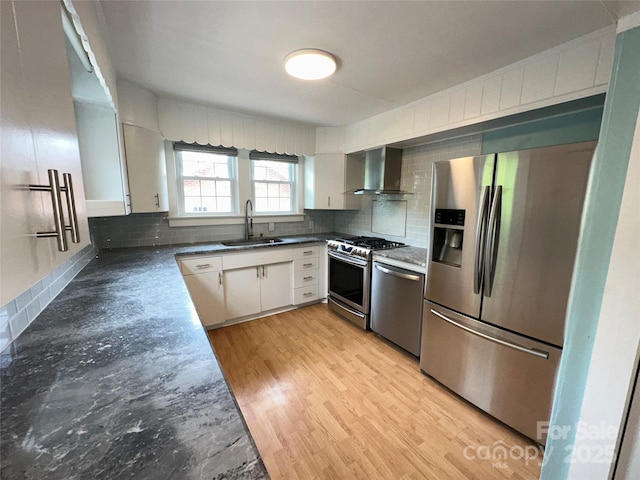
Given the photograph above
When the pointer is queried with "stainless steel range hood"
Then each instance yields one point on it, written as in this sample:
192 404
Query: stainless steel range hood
382 172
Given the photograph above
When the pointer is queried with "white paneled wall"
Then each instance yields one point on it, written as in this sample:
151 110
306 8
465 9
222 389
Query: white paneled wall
574 70
137 106
181 121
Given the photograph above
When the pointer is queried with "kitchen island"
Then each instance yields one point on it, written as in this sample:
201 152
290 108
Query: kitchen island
116 378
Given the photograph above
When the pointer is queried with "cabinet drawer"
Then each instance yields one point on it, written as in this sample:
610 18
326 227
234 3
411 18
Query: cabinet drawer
305 264
195 265
305 252
303 278
305 294
261 257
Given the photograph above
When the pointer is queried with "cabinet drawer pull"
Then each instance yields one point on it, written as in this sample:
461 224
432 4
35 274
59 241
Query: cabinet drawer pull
307 278
307 252
307 265
203 265
308 294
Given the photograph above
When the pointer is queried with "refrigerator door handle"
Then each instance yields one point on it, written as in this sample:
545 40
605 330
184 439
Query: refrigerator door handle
515 346
491 247
481 228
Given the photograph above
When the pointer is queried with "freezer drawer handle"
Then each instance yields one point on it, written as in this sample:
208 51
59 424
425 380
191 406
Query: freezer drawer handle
515 346
406 276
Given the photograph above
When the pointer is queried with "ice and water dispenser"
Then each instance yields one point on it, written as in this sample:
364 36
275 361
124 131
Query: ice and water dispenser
448 236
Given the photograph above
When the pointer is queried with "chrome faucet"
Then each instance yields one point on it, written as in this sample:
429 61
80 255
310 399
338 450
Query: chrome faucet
248 219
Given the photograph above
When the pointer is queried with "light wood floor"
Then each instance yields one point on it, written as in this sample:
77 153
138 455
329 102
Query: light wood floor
325 400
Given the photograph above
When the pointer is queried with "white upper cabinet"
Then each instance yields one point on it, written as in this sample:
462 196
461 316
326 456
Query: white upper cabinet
144 149
147 169
327 177
103 167
38 133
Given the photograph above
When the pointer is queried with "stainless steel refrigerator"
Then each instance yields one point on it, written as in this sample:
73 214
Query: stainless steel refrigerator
505 232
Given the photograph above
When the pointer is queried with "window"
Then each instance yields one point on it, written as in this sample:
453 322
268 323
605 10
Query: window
273 182
206 179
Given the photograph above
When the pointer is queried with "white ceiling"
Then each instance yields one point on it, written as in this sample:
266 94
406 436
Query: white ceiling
230 54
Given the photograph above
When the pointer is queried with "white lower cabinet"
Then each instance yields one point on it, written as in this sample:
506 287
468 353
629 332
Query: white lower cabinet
241 285
257 289
257 281
275 287
203 277
306 276
242 292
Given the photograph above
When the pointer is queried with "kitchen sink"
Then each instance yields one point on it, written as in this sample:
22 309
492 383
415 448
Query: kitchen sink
252 241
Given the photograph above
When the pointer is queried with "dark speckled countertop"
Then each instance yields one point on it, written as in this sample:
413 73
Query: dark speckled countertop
116 379
415 258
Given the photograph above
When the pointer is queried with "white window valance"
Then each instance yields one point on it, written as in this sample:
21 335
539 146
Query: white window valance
191 123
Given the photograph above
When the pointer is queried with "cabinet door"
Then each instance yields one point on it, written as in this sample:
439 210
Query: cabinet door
146 168
103 168
207 293
275 291
242 291
38 132
329 181
47 82
24 258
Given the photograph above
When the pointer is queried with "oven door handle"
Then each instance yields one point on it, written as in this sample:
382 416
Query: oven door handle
352 261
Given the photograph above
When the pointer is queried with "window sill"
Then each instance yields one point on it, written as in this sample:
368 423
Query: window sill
197 220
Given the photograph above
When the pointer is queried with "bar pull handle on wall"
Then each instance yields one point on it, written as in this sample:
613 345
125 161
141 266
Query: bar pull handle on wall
58 216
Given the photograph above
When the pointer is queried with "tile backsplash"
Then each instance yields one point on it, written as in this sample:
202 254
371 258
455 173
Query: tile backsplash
18 314
149 229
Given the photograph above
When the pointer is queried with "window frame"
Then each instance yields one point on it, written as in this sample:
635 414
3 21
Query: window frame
232 162
293 187
178 218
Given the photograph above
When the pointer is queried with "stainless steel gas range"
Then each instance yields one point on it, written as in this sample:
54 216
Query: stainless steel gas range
350 276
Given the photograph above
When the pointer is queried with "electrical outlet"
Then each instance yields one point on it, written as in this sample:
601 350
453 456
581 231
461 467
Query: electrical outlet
311 224
272 226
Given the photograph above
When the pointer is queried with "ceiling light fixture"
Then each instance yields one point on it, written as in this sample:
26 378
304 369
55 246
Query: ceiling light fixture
310 64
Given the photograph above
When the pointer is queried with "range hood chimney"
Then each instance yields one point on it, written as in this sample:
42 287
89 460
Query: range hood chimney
382 170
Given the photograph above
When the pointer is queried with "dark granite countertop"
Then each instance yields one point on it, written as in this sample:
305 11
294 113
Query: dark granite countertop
219 247
410 255
116 379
